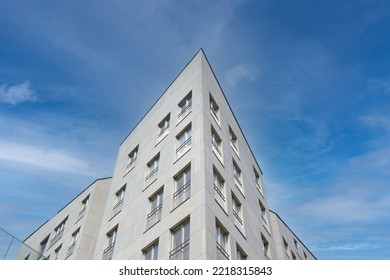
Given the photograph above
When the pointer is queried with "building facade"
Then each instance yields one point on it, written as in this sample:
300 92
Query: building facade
186 185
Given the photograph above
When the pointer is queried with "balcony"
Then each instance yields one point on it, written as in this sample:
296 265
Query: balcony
183 148
71 249
218 196
184 112
182 195
181 252
117 207
56 237
217 148
154 216
152 175
108 252
221 253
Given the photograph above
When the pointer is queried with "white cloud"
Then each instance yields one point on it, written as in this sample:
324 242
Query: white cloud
376 120
238 73
40 157
17 93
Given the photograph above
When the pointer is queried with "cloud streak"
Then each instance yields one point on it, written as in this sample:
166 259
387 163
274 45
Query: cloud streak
39 157
17 93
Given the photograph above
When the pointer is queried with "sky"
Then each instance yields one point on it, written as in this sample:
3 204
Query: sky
309 82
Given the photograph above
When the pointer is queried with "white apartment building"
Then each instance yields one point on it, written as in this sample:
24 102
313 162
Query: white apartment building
186 185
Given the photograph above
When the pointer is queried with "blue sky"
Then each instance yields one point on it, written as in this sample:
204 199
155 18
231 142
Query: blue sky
309 83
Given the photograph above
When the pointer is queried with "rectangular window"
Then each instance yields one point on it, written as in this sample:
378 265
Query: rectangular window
219 188
73 241
183 142
163 128
43 245
263 212
214 109
233 140
241 254
222 243
216 144
151 252
185 107
152 171
183 187
285 247
155 203
119 197
258 181
59 230
237 213
84 205
57 252
132 158
111 238
293 255
181 242
265 247
237 176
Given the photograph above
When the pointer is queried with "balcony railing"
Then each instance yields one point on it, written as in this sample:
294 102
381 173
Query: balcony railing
108 252
219 197
154 216
264 219
237 216
182 194
183 147
184 111
221 252
131 163
266 255
56 237
71 249
214 113
117 207
163 131
216 147
152 174
181 252
238 180
234 146
259 188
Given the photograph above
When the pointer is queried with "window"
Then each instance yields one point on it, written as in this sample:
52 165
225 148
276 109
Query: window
151 252
285 246
296 243
59 230
183 187
185 107
214 109
233 140
155 203
219 188
57 252
84 205
293 255
216 144
305 255
263 212
222 243
119 197
163 128
181 242
258 182
237 213
73 241
43 245
111 238
241 254
183 142
132 158
265 247
153 166
237 175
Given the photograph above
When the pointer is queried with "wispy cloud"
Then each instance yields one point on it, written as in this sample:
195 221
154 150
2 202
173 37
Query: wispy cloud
239 73
16 94
376 120
40 157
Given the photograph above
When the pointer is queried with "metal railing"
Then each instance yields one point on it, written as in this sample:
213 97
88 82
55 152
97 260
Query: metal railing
181 252
154 216
183 147
184 111
151 174
217 147
117 207
182 194
221 252
11 248
108 252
